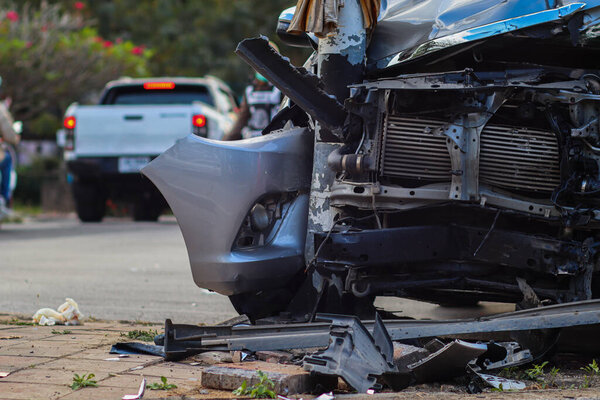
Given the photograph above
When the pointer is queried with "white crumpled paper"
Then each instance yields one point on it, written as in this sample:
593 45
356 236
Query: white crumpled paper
67 314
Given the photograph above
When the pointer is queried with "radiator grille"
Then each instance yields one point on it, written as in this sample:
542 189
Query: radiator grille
510 157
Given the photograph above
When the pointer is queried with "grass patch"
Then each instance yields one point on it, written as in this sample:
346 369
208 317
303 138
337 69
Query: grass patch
83 381
163 385
144 336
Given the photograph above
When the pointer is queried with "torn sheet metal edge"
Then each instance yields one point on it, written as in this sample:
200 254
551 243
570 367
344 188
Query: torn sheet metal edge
184 339
139 394
479 33
448 362
354 354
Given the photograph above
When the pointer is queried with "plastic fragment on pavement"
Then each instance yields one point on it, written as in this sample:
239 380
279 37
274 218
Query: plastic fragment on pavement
137 368
448 362
4 374
326 396
67 314
497 381
139 394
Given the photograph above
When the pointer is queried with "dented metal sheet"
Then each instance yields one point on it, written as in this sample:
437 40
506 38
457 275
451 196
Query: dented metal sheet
432 25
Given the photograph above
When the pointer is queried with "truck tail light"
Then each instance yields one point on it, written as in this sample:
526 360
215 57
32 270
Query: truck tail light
70 123
159 85
200 125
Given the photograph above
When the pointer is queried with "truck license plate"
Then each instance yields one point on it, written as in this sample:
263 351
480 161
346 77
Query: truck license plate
132 164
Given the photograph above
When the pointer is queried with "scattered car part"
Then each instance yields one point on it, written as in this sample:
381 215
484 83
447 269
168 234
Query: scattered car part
448 362
498 382
183 340
502 355
137 348
139 394
355 355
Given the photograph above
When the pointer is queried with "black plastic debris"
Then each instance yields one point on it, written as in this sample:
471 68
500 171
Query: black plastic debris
137 348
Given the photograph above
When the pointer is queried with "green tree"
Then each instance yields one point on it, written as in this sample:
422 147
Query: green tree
50 57
194 38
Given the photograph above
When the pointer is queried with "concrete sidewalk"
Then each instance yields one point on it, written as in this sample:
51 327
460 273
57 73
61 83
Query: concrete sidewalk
41 362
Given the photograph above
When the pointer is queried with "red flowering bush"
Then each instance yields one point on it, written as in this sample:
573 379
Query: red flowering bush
50 58
12 16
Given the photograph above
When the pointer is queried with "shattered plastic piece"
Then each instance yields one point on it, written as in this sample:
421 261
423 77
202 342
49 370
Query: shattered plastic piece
448 362
502 355
137 368
4 374
139 394
67 314
496 381
326 396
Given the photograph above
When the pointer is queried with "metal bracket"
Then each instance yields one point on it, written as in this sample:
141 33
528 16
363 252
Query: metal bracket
354 354
302 87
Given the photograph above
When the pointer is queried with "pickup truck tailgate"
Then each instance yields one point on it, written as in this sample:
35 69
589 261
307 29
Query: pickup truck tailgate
130 130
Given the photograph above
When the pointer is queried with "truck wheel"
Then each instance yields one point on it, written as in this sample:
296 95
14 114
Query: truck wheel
148 210
90 202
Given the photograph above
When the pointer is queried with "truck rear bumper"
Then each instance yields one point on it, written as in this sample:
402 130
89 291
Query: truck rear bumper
98 167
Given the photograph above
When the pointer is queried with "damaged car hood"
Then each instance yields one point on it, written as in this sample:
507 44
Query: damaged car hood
410 29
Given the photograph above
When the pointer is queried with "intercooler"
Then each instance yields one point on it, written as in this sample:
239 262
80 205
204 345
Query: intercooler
513 158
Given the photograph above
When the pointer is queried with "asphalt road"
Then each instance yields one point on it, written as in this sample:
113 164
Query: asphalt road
121 270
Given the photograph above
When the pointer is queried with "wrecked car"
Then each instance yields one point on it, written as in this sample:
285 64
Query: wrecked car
448 153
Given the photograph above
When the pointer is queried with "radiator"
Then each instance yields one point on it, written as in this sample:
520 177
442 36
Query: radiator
510 157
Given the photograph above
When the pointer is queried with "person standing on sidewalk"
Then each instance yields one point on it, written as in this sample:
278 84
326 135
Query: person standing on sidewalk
7 136
259 106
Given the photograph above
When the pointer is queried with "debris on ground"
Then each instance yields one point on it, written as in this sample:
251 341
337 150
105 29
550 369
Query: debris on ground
137 348
139 394
378 355
67 314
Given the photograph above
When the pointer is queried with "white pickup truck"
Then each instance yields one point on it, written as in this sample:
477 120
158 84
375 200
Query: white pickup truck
136 120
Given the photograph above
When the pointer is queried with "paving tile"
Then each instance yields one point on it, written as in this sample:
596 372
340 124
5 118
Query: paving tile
13 363
86 366
31 391
42 349
133 381
99 393
104 393
53 376
103 353
170 370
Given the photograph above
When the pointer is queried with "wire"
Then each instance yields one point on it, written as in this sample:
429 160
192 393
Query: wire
487 235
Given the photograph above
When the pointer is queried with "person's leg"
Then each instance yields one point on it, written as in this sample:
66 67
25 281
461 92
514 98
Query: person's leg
5 168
